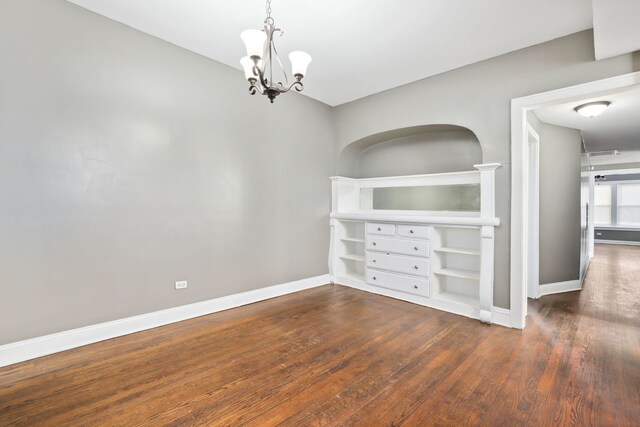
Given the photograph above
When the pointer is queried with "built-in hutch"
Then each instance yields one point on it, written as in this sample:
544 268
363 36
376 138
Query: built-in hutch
428 239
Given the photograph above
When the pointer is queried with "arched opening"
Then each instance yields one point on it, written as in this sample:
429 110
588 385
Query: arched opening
411 151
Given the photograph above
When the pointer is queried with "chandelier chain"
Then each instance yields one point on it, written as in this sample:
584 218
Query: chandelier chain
269 19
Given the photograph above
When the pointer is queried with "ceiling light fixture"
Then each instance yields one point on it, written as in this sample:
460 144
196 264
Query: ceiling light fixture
592 109
259 62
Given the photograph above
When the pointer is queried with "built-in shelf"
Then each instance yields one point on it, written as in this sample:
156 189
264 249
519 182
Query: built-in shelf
461 274
354 276
461 251
457 297
353 257
352 239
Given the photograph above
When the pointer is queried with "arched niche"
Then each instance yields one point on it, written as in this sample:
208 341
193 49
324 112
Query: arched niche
411 151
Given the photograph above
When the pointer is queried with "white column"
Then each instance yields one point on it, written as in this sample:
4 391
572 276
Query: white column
487 234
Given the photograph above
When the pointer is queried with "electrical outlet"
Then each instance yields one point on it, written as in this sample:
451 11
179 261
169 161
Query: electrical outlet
181 285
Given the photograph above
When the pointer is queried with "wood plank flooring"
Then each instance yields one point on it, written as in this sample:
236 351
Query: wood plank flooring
337 356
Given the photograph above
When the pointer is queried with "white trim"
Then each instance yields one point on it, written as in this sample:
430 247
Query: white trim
533 213
617 228
558 287
616 242
500 316
519 108
416 218
54 343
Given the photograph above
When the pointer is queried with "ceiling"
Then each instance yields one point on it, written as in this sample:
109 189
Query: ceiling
359 47
615 27
618 128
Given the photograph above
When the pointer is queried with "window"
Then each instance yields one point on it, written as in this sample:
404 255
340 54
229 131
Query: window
629 204
602 204
617 204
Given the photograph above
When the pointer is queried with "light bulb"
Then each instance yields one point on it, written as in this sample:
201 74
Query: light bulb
247 65
299 63
254 42
592 109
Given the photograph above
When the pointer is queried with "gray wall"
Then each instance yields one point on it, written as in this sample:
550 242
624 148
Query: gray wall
127 163
478 97
562 214
560 201
429 152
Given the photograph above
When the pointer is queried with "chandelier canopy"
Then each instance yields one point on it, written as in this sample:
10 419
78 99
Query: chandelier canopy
261 58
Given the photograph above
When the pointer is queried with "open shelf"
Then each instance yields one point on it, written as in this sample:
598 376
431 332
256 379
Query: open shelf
350 250
461 251
457 297
460 274
354 276
352 239
353 257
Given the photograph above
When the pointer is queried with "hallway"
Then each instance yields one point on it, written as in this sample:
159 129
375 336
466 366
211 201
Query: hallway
594 364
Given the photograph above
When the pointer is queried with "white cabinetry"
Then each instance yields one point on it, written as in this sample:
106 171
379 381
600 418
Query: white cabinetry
396 261
441 259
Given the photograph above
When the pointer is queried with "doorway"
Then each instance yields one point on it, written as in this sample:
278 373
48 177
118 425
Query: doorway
523 192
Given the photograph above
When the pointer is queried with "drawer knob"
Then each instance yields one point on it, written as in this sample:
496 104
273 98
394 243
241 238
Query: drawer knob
415 286
374 277
379 229
373 260
415 248
411 231
374 243
415 266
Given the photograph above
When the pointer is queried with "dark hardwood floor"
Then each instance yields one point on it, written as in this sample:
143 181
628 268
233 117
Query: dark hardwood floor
337 356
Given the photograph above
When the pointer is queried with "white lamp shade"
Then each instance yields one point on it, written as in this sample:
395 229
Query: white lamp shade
592 109
254 42
299 62
247 65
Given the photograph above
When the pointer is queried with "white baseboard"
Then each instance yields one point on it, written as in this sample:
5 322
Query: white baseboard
556 288
500 316
54 343
616 242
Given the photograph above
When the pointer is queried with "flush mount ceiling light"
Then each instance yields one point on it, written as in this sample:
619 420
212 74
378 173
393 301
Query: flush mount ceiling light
259 62
592 109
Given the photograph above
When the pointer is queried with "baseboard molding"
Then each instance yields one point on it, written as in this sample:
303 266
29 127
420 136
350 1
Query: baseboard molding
583 275
556 288
616 242
500 316
66 340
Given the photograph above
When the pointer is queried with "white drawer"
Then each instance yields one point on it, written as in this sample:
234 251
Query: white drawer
410 285
398 246
413 231
398 263
382 229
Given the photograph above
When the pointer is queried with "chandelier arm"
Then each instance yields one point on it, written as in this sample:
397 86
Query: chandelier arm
253 89
286 77
258 72
297 85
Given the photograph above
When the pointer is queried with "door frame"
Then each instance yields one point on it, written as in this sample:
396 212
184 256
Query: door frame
532 175
519 192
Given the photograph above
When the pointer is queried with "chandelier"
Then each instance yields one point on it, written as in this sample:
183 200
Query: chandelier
261 58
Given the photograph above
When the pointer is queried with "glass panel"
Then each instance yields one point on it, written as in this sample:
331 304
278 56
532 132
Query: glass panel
628 194
629 215
461 198
602 195
602 215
